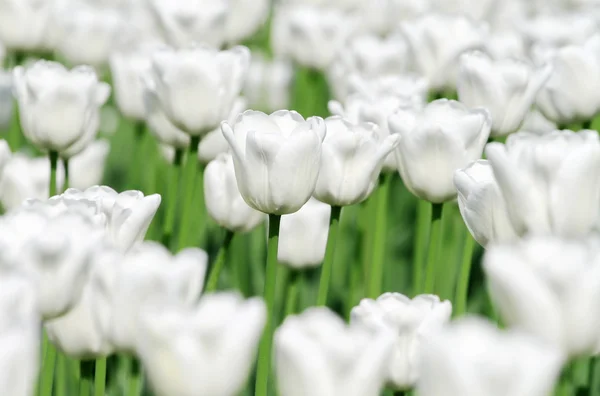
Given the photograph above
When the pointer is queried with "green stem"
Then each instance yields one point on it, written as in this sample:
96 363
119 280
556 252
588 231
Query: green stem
420 246
264 350
462 288
171 196
49 360
291 301
61 374
594 379
66 166
379 237
134 378
326 269
100 377
435 244
213 279
53 165
136 169
86 377
189 180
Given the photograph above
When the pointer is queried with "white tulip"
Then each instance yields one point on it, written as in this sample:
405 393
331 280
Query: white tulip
24 24
471 357
206 350
214 142
276 158
244 18
435 142
550 288
59 108
197 87
87 168
381 17
224 202
482 205
535 122
436 52
6 99
303 235
351 159
316 354
411 320
555 30
268 83
550 182
507 45
411 87
507 88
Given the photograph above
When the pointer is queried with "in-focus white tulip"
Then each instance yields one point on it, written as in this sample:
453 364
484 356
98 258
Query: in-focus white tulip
187 22
197 87
550 288
206 350
59 108
268 83
507 88
571 94
244 18
6 99
311 36
471 357
214 142
351 159
435 142
317 354
276 158
412 321
482 205
224 202
24 23
436 52
550 182
303 235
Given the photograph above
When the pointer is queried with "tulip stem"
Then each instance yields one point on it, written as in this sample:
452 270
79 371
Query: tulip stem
587 124
66 166
133 383
100 377
379 236
86 375
594 377
53 165
189 179
49 361
219 263
174 171
327 268
264 351
462 288
420 246
291 302
436 239
139 128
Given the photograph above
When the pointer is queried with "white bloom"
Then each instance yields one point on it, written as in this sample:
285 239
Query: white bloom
87 168
535 122
214 142
276 158
435 142
382 16
24 23
507 45
555 30
268 83
244 18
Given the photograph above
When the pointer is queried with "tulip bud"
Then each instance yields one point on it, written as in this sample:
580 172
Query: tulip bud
224 202
59 108
206 350
471 357
317 354
411 321
435 142
24 24
276 158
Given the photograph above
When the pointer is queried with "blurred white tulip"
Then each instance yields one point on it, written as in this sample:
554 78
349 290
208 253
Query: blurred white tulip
550 182
351 159
557 29
550 288
197 87
303 236
410 87
276 158
268 83
6 100
244 18
435 142
435 52
214 142
224 202
507 45
125 283
381 17
24 24
507 88
471 357
87 168
206 350
412 321
535 122
59 109
316 354
482 205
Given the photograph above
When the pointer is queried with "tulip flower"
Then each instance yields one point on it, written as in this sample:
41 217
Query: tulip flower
126 282
471 357
410 87
482 205
550 182
6 99
214 143
435 142
351 160
24 24
381 17
507 44
268 83
555 30
87 168
412 321
204 350
507 88
244 18
549 288
276 158
317 354
535 122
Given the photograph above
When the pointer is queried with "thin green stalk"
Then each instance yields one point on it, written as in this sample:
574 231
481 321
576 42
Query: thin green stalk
435 243
134 378
326 269
367 218
447 274
594 379
239 260
100 377
462 288
66 166
420 246
86 377
379 237
189 180
47 379
291 300
174 175
53 165
264 350
61 374
137 167
219 263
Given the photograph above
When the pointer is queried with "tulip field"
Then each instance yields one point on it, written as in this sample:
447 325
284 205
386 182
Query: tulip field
300 197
